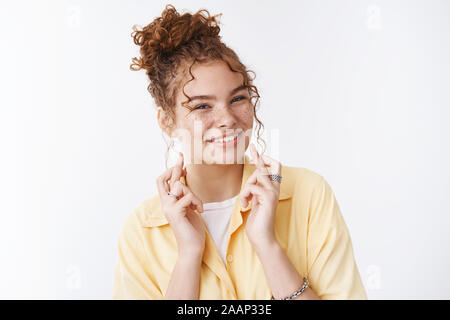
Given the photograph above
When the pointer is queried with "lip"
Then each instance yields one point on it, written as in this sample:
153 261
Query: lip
229 143
220 137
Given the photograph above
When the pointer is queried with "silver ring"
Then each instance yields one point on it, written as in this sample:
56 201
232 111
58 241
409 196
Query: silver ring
275 177
173 195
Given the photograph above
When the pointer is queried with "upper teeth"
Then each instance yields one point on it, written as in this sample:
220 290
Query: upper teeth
226 139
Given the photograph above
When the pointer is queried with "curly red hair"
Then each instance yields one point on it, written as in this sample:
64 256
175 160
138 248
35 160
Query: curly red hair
172 43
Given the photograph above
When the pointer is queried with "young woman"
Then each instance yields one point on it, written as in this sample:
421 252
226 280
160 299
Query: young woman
223 226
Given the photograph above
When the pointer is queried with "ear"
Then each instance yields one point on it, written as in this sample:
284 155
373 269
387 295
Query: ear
164 121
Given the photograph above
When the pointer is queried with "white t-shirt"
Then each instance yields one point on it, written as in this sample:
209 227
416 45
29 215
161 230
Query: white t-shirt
217 217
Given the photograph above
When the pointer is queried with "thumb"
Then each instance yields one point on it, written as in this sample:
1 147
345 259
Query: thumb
246 196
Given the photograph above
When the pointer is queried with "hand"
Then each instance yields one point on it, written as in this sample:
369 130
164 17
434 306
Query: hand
186 224
265 193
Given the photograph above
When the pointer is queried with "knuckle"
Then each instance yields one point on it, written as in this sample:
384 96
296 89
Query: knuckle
177 184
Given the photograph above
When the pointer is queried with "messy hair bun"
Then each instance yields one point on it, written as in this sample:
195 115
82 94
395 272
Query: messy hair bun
172 43
169 32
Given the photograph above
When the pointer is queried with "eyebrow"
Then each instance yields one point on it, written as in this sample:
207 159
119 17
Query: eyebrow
206 97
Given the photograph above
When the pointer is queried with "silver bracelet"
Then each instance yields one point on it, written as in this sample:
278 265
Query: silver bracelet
296 293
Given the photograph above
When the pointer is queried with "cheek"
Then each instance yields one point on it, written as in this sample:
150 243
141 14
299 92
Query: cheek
246 116
200 125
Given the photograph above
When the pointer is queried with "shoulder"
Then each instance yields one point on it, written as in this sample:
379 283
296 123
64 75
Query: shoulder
299 181
315 201
140 214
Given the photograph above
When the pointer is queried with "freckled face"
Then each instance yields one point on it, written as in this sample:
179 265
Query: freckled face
221 106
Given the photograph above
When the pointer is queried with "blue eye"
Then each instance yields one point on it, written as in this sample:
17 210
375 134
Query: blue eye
240 98
236 99
200 107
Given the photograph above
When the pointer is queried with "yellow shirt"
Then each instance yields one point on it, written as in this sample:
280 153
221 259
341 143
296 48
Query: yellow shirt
308 225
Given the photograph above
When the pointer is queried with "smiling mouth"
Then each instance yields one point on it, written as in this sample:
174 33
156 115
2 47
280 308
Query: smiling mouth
229 140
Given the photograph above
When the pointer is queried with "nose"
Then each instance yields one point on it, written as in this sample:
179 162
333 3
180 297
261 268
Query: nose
225 117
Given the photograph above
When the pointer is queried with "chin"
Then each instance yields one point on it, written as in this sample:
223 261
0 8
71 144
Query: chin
225 158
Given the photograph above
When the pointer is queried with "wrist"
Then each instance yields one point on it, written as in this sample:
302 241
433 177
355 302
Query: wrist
265 245
190 255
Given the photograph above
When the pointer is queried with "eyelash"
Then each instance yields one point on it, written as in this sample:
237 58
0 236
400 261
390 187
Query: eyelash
198 107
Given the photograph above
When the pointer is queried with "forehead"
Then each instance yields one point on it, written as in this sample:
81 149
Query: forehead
212 78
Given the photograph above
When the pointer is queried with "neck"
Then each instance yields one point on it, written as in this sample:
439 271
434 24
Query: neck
214 182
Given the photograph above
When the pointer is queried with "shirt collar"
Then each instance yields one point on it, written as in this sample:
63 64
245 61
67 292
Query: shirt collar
151 215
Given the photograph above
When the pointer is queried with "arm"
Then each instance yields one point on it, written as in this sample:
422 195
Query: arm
133 277
281 275
331 263
182 287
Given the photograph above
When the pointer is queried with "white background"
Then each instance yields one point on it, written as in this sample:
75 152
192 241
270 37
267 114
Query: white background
357 91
